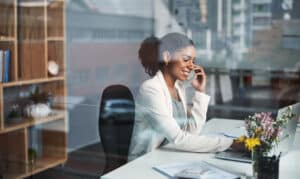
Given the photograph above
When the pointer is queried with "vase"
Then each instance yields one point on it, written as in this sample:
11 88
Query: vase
264 166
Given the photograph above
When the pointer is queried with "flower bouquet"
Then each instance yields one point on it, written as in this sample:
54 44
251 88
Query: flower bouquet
263 131
263 135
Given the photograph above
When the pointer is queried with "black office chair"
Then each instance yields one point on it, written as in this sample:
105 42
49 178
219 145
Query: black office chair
116 119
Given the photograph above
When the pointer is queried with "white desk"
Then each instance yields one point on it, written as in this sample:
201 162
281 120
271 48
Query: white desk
142 167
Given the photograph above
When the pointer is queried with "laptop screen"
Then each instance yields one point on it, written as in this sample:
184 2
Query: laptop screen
288 133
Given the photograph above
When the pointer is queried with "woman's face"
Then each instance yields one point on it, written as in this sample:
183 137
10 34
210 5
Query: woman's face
182 63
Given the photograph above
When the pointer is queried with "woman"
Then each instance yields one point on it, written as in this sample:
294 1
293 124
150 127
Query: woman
161 111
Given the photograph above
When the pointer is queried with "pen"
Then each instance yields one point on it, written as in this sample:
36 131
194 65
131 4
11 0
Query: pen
229 136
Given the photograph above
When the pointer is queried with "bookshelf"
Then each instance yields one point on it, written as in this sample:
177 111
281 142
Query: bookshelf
34 33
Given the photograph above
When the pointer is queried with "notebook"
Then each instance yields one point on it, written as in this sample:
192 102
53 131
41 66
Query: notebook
283 147
194 170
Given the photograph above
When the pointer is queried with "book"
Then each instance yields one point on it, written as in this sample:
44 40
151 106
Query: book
6 66
1 64
194 170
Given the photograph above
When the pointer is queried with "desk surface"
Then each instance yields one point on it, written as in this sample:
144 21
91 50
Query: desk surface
143 166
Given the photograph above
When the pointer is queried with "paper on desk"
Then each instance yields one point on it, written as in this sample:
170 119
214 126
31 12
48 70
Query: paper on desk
194 169
234 128
233 133
236 133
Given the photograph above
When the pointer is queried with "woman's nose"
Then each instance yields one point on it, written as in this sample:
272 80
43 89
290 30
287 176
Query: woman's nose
190 64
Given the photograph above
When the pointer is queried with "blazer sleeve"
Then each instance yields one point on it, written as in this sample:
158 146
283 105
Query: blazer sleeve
152 101
198 112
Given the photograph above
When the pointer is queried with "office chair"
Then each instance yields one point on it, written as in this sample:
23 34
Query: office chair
116 119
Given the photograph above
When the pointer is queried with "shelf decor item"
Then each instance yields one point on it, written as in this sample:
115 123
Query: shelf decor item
14 114
40 97
32 155
263 134
37 110
53 68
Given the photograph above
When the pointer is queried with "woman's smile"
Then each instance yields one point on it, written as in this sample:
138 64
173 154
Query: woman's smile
186 72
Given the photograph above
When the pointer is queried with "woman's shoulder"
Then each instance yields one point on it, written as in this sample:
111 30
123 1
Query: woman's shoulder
150 83
149 92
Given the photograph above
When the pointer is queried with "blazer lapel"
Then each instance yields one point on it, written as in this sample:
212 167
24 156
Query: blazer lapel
180 88
162 82
178 85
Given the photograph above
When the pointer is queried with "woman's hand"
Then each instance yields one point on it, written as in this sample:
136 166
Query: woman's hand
199 82
238 146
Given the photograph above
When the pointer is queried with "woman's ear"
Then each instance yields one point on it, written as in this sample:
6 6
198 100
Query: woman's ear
166 57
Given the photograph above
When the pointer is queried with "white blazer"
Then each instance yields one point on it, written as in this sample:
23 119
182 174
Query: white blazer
154 121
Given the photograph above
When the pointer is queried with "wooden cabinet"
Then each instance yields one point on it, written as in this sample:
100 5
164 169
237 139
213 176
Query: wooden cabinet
34 33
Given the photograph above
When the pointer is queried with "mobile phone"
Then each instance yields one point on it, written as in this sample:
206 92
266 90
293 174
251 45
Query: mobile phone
197 71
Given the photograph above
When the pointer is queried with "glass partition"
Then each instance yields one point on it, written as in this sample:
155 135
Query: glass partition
249 49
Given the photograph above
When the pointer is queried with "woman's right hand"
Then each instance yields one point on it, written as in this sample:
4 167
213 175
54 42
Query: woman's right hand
199 82
238 146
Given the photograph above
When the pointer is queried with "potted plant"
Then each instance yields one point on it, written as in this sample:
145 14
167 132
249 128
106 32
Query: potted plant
41 104
40 97
14 114
32 156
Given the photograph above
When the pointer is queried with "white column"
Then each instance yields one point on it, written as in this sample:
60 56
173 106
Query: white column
242 32
220 17
229 23
163 20
208 44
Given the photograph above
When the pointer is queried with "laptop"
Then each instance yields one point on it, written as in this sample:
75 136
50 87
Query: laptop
283 147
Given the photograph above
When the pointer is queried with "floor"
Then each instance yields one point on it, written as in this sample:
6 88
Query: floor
85 163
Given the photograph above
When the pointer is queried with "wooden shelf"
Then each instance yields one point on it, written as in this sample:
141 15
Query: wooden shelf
7 39
55 38
27 122
56 3
8 19
33 4
56 24
34 33
22 170
35 81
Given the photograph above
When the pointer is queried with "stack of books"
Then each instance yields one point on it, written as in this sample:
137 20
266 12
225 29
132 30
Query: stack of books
5 65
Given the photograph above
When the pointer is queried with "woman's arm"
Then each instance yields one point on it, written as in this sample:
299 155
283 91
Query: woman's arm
197 113
200 102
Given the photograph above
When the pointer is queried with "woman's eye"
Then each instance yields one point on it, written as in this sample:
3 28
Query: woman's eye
186 59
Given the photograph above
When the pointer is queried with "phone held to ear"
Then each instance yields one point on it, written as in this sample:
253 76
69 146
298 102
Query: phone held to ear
199 77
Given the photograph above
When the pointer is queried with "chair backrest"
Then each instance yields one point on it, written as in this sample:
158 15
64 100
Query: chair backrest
116 119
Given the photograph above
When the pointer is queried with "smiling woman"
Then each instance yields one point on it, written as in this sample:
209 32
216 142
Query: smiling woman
161 112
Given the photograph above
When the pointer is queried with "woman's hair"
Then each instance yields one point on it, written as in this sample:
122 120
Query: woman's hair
151 50
149 55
